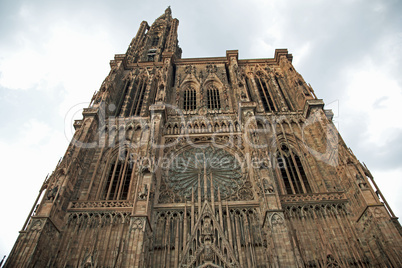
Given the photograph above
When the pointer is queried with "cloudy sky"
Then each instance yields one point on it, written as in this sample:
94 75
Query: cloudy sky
55 54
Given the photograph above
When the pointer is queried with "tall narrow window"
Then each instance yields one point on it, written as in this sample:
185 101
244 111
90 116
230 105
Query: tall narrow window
137 96
291 169
118 181
126 182
213 100
189 99
111 183
124 97
282 93
155 41
265 94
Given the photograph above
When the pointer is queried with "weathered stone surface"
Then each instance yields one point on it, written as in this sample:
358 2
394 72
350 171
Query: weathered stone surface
206 162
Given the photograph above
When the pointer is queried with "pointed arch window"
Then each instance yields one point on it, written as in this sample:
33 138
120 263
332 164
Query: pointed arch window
213 99
137 99
120 106
132 98
118 180
189 99
265 94
292 171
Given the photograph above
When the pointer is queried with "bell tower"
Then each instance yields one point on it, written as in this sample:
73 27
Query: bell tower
151 42
206 162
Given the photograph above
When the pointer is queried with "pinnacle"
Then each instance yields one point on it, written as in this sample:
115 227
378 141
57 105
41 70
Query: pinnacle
168 10
166 15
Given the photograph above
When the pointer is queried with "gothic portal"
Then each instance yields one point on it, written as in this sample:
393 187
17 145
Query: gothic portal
206 162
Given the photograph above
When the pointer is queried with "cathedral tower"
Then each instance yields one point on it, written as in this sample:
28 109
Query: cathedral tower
206 162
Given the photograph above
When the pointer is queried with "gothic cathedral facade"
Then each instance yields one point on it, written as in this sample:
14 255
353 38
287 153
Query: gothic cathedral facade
206 162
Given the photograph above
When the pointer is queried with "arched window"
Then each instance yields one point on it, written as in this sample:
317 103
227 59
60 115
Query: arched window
118 179
137 96
189 99
291 169
213 100
125 94
132 98
265 94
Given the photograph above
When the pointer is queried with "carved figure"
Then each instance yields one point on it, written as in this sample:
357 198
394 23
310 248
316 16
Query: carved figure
144 193
52 193
268 188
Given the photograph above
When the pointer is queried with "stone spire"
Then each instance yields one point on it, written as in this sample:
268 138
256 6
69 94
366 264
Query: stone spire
150 42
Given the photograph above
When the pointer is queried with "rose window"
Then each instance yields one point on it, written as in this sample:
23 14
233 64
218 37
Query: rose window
204 166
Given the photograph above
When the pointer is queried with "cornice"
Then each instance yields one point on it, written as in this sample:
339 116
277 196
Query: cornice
195 61
207 60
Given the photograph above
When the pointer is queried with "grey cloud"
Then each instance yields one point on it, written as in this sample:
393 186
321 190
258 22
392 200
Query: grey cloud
383 157
378 104
340 34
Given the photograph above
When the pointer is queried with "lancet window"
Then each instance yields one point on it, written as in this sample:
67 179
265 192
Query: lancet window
133 97
265 94
213 100
118 180
292 172
123 97
138 93
189 99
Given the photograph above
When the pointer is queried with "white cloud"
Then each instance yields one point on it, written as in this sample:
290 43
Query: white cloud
64 49
390 184
376 96
33 154
302 53
72 57
20 71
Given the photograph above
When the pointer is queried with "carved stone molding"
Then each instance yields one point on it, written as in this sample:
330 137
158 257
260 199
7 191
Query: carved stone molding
79 205
98 217
276 219
314 198
314 210
37 224
174 144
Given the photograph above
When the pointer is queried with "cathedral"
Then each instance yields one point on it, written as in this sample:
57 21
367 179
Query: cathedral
206 162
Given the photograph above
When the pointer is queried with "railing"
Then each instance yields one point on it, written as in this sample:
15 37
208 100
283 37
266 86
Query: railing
313 198
100 204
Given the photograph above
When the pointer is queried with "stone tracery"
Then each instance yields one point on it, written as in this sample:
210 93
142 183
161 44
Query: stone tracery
200 212
194 171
